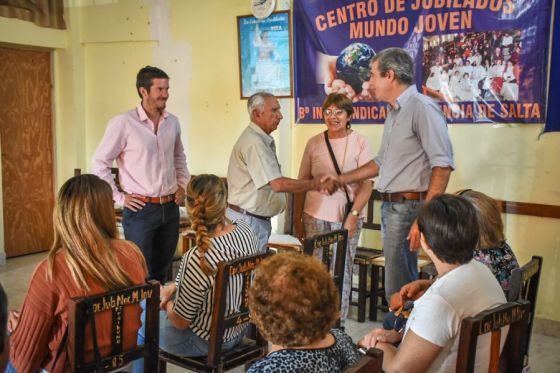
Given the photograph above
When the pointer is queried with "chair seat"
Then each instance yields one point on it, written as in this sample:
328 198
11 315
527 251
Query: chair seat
380 262
247 350
363 259
366 255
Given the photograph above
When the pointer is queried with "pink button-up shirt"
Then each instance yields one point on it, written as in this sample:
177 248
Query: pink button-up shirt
149 164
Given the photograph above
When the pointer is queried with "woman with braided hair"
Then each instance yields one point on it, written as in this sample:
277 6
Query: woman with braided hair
186 305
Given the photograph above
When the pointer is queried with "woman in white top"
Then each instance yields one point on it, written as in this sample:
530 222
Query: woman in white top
187 304
465 89
464 287
434 80
323 213
510 88
454 83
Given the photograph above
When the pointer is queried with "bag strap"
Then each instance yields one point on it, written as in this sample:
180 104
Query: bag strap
91 316
61 348
333 158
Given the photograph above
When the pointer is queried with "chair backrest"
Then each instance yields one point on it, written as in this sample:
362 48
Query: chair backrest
514 314
293 218
244 269
369 218
371 362
79 318
294 223
524 284
325 242
114 172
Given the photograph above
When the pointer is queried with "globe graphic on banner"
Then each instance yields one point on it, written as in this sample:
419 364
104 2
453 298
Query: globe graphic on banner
353 65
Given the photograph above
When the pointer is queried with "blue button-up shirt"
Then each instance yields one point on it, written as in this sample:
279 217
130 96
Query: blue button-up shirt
415 139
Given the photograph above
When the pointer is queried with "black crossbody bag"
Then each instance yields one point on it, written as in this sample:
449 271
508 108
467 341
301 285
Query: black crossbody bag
349 203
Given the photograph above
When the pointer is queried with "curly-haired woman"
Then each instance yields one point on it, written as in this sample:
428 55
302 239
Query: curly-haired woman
293 302
187 304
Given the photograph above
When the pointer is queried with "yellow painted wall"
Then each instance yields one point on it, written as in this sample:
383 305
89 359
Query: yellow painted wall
195 42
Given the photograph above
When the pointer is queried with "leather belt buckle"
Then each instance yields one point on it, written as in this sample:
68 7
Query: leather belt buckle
403 196
158 200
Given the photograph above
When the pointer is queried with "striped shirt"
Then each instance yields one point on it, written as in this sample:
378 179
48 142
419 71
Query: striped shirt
195 289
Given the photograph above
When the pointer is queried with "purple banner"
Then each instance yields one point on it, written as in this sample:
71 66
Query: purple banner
553 112
483 60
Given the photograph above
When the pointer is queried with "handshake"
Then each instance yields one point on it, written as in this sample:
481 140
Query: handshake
327 184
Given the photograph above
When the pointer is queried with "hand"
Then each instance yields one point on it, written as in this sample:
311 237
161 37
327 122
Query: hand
414 237
180 196
351 224
379 335
328 186
396 301
336 181
366 94
333 85
132 202
411 291
13 320
165 295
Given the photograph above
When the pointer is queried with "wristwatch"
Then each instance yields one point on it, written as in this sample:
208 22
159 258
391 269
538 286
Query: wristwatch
354 212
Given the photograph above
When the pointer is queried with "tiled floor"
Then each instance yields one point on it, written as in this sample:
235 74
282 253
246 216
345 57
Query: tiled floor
15 275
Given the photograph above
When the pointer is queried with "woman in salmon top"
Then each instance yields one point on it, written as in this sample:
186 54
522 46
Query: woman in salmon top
85 259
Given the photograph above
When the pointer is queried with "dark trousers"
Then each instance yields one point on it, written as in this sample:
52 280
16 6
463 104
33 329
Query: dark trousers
155 229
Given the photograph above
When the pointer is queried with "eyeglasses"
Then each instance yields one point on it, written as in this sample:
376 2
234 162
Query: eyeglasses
336 112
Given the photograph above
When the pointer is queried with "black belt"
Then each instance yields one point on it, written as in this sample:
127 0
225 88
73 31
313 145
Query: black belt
403 196
245 212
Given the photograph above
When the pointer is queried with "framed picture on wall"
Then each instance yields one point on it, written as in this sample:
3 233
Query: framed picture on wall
265 54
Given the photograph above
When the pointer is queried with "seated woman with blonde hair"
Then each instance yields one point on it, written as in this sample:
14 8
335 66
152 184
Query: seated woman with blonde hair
294 303
86 258
186 305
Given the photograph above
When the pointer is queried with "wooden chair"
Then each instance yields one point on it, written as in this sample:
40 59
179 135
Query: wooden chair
293 222
514 314
251 349
524 284
79 314
366 258
325 242
371 362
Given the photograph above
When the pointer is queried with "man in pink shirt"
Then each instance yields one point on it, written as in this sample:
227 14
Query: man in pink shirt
146 143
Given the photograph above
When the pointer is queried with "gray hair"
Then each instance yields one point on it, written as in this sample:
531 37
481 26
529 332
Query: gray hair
256 101
398 60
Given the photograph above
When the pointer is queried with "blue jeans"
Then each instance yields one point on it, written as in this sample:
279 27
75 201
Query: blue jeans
401 264
155 229
185 342
178 342
261 228
315 226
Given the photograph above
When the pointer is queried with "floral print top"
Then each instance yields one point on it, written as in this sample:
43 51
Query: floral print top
501 261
